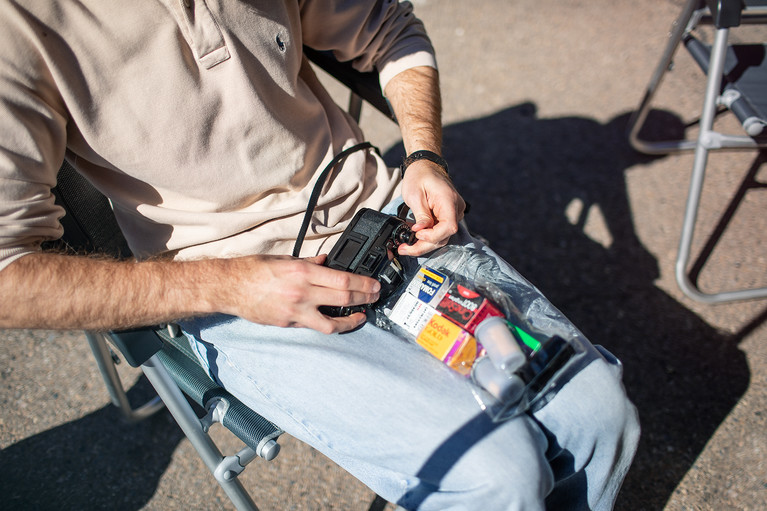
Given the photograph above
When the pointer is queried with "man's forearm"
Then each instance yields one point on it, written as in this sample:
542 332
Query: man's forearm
70 292
67 292
415 97
426 188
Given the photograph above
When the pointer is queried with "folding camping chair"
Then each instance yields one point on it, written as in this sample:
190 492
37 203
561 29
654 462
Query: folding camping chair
737 81
162 353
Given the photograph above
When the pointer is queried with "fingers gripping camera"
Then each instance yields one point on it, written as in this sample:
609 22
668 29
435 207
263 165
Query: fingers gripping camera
368 247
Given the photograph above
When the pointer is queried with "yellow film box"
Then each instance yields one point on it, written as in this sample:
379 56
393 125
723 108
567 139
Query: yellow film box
449 343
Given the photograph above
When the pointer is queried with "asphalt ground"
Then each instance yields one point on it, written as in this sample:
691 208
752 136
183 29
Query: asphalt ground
537 94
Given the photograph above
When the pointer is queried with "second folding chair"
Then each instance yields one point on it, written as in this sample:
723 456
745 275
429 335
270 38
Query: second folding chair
736 80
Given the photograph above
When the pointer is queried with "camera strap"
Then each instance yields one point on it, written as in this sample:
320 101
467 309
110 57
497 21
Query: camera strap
315 196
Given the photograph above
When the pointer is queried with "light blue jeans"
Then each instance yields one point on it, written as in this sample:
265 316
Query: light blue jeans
409 428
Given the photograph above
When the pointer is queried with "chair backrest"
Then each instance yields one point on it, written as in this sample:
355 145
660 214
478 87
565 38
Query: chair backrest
364 85
89 223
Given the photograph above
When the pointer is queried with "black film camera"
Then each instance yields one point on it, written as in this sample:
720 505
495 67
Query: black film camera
368 247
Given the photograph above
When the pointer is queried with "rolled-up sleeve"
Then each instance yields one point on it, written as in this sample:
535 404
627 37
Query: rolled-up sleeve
383 35
32 145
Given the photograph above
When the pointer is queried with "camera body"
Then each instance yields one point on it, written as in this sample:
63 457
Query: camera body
368 247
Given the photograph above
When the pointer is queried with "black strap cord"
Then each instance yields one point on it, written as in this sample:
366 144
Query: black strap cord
315 196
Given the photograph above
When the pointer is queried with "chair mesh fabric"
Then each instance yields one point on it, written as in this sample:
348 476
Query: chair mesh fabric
745 72
89 224
365 85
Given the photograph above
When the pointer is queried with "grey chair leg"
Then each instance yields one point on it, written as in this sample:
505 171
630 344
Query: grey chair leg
706 139
639 116
192 427
106 365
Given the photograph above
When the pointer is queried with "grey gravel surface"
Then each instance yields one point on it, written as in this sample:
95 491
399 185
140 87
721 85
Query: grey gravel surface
537 94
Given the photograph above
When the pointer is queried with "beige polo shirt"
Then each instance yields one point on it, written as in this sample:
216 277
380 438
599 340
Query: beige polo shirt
200 119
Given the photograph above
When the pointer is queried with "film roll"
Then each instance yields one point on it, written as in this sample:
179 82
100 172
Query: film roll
499 342
505 388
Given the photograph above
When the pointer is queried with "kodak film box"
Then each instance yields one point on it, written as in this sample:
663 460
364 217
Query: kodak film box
449 343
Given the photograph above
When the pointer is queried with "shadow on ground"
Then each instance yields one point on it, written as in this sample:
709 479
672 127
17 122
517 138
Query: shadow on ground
521 174
97 462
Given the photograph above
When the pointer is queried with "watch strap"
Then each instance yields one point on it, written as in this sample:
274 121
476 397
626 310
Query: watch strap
423 155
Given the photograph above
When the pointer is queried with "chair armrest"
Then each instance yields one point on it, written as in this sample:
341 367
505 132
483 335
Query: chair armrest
250 427
137 345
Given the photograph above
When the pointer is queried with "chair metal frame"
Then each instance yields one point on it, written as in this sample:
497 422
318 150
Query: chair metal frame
723 15
163 353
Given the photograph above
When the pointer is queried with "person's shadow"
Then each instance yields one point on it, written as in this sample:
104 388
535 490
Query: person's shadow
532 184
99 461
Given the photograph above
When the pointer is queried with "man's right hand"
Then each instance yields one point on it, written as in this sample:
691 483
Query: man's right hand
284 291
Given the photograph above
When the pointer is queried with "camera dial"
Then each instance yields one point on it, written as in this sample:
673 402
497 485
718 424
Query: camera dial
404 234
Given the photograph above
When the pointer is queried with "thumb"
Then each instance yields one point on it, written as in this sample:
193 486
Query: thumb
422 215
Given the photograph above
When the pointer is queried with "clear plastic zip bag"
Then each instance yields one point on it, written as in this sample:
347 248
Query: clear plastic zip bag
489 325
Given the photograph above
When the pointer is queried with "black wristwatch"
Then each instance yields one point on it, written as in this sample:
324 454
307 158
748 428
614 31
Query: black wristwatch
423 155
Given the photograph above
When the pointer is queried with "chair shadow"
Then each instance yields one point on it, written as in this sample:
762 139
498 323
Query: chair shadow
522 174
99 461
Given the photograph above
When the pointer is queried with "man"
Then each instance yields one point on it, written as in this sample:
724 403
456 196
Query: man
205 126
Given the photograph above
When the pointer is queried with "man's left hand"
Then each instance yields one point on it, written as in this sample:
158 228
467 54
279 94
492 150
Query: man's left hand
436 205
